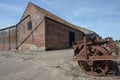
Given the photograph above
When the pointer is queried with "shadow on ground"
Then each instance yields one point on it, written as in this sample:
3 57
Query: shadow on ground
114 69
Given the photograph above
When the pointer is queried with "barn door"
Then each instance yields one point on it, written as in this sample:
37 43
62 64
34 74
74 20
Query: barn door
71 38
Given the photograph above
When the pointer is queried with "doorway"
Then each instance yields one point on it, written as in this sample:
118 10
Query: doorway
71 38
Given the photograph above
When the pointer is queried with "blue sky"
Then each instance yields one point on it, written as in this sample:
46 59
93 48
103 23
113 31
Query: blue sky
101 16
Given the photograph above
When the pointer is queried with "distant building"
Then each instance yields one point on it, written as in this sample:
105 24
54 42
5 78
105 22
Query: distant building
87 32
40 30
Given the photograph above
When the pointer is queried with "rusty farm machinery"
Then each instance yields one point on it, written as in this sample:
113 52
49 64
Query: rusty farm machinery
94 55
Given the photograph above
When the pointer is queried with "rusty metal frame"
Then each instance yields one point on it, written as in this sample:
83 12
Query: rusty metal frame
108 41
91 53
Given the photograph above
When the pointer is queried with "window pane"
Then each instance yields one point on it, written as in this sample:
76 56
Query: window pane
29 25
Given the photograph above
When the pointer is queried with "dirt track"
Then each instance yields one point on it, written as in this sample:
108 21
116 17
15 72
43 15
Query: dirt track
50 65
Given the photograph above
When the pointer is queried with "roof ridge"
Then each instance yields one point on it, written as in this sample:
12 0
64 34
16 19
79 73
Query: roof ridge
59 19
54 17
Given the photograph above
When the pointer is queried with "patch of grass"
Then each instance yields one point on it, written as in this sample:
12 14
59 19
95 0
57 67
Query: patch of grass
117 42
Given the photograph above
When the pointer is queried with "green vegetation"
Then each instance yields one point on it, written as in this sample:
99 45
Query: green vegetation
117 41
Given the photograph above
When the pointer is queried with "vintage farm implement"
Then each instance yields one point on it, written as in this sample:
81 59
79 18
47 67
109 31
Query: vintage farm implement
94 55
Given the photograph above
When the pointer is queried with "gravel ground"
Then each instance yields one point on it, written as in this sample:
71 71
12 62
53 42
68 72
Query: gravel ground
50 65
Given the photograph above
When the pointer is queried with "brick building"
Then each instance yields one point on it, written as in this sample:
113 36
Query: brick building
48 30
40 29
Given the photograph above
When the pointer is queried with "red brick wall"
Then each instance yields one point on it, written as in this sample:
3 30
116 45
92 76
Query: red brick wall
38 36
49 35
57 35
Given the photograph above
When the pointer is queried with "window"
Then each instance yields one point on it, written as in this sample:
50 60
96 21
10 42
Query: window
30 25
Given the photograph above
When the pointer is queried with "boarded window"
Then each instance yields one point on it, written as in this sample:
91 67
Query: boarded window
30 25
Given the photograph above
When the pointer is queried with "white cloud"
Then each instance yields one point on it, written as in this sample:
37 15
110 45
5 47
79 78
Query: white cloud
44 1
10 7
47 2
92 11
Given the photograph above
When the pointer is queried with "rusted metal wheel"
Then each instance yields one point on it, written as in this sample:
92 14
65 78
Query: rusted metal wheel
93 67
